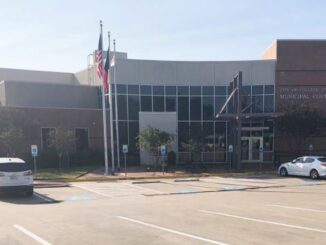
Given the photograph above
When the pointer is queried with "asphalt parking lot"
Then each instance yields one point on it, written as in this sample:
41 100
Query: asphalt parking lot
212 210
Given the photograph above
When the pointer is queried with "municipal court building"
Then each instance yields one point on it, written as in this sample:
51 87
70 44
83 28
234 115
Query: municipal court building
180 97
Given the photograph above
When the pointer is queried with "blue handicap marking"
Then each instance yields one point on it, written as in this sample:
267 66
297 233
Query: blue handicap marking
308 182
79 198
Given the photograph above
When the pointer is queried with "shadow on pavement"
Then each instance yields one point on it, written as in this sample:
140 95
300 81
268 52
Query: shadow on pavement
21 199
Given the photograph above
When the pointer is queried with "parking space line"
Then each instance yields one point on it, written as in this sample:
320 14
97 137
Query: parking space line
143 188
94 191
263 221
32 235
172 231
297 208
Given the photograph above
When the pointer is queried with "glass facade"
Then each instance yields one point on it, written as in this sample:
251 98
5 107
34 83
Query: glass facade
196 107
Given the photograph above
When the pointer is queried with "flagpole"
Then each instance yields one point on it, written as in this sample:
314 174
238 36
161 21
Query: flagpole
104 119
116 105
111 117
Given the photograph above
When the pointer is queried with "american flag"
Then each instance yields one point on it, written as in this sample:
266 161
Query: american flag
99 58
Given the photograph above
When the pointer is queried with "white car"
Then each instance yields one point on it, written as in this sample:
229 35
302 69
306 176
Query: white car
313 166
15 175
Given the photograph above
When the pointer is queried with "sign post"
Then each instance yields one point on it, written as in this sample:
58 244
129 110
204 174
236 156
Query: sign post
230 150
125 151
34 152
163 154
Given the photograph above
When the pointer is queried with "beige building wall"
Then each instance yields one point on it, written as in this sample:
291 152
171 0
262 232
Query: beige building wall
271 52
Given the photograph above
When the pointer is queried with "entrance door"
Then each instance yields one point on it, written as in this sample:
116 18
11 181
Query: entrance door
245 149
251 149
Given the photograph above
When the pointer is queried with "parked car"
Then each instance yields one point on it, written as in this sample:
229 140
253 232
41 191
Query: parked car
313 166
16 175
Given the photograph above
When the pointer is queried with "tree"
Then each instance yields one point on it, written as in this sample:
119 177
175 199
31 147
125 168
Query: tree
151 139
298 123
194 147
63 141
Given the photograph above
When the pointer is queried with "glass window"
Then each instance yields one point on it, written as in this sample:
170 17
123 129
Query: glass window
133 107
269 89
219 102
208 108
183 108
14 167
220 136
158 90
81 135
195 90
196 132
195 108
122 89
170 103
113 107
146 90
322 159
220 90
246 90
257 104
158 103
112 88
46 137
133 89
309 160
183 90
246 104
208 90
257 89
146 103
133 133
208 136
183 135
170 90
269 103
122 107
123 134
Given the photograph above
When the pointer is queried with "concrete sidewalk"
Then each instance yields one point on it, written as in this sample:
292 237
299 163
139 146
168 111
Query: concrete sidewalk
143 173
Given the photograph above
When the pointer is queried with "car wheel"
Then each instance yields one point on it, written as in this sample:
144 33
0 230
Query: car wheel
314 174
283 172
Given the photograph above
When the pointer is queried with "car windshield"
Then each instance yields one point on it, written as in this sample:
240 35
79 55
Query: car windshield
322 159
13 167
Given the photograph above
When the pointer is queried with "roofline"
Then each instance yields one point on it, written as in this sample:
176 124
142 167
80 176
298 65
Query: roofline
29 70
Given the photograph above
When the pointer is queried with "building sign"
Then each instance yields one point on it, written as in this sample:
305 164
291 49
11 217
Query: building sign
125 148
163 150
34 150
302 93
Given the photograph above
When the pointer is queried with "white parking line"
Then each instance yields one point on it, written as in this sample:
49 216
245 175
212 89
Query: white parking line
42 197
172 231
297 208
143 188
32 235
264 221
92 190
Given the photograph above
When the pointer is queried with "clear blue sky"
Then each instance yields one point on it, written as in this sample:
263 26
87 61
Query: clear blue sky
58 35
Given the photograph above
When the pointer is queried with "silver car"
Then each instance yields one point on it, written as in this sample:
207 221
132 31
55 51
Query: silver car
313 166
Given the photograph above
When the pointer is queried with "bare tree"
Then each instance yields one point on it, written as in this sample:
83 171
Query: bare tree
63 141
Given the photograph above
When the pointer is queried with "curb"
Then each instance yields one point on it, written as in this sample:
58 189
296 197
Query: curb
118 178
